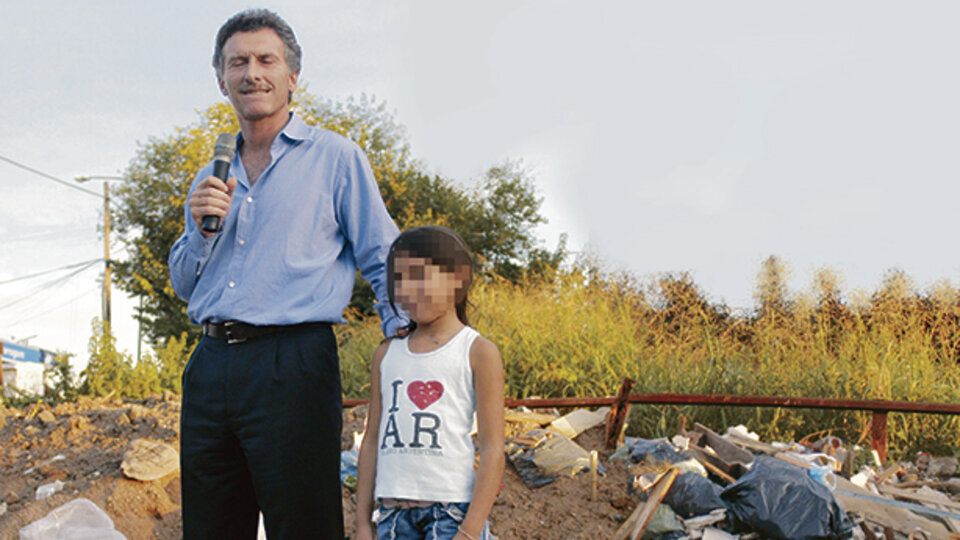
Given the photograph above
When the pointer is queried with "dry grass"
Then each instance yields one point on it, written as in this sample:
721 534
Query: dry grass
578 334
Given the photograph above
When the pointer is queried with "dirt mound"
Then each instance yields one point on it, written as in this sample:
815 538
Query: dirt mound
82 445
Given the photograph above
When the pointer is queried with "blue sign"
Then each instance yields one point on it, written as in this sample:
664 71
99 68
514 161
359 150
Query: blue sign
23 353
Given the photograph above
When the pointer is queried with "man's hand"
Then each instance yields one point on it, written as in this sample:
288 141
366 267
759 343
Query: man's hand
211 198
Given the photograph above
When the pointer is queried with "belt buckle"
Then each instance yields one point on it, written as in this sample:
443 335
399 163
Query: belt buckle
231 338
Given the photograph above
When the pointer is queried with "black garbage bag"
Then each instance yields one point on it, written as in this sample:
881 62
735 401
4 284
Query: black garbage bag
693 495
780 500
655 452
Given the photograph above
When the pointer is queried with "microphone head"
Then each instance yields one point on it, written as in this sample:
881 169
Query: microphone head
225 147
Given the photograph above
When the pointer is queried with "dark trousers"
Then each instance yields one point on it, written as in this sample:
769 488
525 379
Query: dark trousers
260 431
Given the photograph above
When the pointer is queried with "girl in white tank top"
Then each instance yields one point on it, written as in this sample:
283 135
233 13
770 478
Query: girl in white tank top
416 464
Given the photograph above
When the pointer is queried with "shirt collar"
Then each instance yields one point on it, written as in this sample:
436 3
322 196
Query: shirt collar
295 130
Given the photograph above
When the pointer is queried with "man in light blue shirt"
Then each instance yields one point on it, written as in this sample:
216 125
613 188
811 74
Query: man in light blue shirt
261 418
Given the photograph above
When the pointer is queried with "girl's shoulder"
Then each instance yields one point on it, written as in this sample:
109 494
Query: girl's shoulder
483 351
382 348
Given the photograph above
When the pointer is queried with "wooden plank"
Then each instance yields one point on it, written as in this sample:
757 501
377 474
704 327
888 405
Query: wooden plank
867 531
639 519
883 512
888 473
919 497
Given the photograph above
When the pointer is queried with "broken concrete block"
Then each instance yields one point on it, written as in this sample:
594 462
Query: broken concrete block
149 460
942 467
138 411
47 418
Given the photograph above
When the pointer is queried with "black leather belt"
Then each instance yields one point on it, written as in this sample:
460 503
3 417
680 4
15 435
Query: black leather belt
238 332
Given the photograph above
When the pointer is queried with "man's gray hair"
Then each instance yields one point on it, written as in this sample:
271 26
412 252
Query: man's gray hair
252 20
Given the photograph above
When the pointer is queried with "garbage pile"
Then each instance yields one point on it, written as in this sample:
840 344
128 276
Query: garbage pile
700 484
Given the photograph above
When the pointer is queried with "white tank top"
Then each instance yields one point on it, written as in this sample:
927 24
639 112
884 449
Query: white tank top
428 403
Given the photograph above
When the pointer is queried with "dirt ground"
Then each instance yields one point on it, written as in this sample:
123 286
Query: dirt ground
82 445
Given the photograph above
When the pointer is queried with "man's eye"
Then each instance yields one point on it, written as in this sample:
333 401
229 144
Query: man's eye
416 273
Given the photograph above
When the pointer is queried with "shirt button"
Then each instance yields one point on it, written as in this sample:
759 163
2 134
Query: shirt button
242 241
231 284
249 199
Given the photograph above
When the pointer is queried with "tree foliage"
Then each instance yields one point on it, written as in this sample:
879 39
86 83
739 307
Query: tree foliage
496 216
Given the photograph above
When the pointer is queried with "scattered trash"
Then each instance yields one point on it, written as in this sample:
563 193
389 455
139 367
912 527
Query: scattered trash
578 421
664 525
47 490
3 508
77 519
348 462
541 455
693 495
824 475
656 452
148 460
780 500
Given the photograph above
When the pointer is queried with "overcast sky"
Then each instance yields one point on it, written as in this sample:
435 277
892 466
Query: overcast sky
668 136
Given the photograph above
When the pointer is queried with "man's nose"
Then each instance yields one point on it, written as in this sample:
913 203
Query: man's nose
254 71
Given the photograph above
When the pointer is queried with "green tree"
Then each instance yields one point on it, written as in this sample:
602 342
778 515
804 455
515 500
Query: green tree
107 370
496 218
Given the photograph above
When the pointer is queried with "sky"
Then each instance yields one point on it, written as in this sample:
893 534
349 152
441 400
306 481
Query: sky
697 137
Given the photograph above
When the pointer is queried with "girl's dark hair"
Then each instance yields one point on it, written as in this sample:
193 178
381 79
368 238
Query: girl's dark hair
439 246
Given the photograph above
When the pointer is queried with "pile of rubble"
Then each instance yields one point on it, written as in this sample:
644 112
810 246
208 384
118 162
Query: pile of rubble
703 485
110 464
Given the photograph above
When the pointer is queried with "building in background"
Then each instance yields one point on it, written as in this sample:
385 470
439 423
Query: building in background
23 369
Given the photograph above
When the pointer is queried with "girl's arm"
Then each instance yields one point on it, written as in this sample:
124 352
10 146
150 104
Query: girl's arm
367 460
488 385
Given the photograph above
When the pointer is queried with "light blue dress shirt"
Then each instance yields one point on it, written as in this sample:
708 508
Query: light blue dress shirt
290 245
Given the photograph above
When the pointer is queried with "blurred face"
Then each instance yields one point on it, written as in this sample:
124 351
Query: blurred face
255 75
425 291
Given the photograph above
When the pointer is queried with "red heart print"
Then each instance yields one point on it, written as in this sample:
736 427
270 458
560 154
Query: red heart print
423 393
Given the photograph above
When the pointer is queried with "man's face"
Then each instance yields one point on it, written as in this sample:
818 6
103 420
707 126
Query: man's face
255 75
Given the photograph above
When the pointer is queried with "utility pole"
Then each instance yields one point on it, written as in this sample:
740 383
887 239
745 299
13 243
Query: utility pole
105 307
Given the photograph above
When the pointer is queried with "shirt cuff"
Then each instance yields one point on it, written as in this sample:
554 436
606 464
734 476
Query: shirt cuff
201 246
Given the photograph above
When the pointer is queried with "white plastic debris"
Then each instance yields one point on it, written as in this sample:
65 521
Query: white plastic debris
743 432
47 490
79 519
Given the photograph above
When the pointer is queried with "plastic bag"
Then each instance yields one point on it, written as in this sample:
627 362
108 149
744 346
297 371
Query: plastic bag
693 495
664 525
348 468
79 519
780 500
653 452
540 456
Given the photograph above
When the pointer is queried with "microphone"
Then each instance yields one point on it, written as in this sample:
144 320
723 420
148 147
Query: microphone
223 152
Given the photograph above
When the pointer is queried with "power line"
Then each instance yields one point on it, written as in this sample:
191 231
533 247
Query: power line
35 315
50 177
67 267
49 285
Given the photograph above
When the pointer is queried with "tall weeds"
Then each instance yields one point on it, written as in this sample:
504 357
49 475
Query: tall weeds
577 333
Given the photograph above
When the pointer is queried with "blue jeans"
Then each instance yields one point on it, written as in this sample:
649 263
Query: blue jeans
439 521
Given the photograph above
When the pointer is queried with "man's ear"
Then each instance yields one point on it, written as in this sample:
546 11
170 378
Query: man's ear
294 76
223 87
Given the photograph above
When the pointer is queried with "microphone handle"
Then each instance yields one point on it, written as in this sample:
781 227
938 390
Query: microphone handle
211 223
